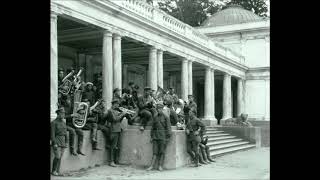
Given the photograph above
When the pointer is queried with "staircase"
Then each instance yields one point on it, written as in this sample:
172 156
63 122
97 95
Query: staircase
221 143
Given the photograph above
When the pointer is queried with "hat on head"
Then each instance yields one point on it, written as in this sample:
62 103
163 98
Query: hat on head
131 83
171 88
147 88
116 89
89 83
60 69
85 100
61 109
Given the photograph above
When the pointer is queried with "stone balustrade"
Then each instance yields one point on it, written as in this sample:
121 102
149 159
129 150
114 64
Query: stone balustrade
161 18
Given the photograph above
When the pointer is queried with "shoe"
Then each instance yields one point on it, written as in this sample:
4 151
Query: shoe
55 173
160 168
98 149
112 164
79 152
150 168
141 128
74 153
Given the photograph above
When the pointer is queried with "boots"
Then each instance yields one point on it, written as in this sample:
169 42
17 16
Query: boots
54 166
208 155
73 152
153 161
58 166
197 161
161 162
80 142
117 156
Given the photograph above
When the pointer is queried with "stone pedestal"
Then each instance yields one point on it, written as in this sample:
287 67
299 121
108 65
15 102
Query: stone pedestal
137 148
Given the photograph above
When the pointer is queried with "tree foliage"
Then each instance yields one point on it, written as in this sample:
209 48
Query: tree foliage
194 12
259 7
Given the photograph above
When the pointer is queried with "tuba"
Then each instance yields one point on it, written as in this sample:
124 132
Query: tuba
80 110
66 85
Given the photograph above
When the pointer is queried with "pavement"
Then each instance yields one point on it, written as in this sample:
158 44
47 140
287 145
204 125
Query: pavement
253 164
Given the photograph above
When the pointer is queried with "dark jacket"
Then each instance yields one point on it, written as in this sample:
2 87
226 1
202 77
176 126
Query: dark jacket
161 127
59 133
142 102
115 118
193 125
173 117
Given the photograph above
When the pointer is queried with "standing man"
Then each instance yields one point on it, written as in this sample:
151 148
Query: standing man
160 135
194 136
145 104
190 106
115 117
59 140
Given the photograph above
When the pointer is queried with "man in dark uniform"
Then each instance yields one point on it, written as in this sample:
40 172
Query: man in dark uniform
145 104
194 136
160 135
173 115
67 104
89 93
59 140
115 117
60 76
190 106
92 125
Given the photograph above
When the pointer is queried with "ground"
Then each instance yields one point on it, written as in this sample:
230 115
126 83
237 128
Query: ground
251 164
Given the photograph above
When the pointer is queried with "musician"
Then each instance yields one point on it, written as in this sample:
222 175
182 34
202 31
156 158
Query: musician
160 136
60 76
89 93
190 106
173 115
173 95
194 136
115 117
67 104
145 104
59 140
92 125
131 87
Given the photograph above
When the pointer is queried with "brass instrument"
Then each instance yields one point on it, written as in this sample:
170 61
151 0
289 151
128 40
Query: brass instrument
80 110
127 111
66 85
77 79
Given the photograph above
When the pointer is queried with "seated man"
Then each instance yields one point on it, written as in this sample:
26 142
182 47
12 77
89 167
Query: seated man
72 129
205 157
146 110
173 115
92 125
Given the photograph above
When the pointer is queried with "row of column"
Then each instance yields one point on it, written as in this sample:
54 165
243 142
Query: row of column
112 75
209 100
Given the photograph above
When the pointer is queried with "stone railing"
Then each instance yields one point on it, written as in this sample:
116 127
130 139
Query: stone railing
161 18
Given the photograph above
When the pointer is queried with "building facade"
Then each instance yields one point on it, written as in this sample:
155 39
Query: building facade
131 40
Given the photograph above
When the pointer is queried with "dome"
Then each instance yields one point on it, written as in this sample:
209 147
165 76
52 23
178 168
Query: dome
233 14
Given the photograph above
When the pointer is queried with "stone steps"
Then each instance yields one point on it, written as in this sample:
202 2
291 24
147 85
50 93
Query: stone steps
216 153
227 145
213 143
221 143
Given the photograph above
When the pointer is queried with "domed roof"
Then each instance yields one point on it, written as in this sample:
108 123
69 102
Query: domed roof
233 14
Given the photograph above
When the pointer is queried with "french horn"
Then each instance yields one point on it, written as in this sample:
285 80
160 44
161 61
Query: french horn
66 85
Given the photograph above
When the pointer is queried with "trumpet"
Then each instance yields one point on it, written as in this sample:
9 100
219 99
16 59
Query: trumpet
127 110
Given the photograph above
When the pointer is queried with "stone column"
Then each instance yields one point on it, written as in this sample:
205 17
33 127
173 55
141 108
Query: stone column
267 111
184 79
160 68
207 94
190 77
53 68
117 69
152 71
226 97
240 103
107 69
213 97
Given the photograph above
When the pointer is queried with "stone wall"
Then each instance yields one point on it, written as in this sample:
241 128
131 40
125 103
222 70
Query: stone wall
265 132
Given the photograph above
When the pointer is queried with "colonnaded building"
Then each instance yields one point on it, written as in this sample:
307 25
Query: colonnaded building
224 63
